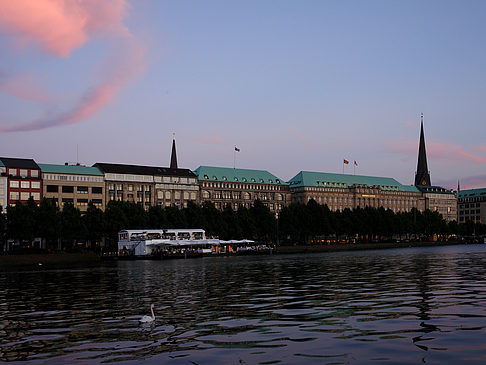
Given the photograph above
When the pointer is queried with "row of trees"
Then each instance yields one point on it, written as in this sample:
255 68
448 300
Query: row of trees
63 229
303 223
297 223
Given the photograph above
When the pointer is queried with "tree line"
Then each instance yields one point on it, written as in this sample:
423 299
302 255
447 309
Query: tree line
68 228
311 222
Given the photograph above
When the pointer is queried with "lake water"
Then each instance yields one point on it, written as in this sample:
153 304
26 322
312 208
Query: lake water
403 306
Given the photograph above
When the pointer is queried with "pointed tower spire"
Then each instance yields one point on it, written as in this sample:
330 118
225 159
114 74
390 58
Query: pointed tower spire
422 176
173 155
458 186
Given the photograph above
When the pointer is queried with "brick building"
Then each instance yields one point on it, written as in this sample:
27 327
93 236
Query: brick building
3 186
23 180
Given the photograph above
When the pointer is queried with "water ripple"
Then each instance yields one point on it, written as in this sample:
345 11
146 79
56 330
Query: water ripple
405 306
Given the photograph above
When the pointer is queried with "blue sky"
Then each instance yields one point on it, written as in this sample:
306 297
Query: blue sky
296 85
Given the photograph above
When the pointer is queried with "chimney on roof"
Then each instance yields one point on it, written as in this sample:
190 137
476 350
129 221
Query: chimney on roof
173 156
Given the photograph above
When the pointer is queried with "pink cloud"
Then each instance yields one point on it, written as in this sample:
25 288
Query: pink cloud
410 123
61 26
24 87
481 148
212 140
470 182
437 150
94 99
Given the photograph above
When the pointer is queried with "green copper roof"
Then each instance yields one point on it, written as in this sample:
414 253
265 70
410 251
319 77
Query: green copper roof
471 193
326 180
70 169
210 173
1 164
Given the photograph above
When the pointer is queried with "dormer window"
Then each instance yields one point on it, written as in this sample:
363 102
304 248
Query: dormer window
253 179
215 178
224 178
206 177
236 179
244 179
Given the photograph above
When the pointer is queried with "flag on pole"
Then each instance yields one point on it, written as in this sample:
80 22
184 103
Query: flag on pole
355 163
237 149
346 162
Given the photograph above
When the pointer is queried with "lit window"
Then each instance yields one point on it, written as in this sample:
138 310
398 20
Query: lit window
14 184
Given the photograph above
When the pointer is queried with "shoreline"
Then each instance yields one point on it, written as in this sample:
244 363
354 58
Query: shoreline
39 260
59 259
284 250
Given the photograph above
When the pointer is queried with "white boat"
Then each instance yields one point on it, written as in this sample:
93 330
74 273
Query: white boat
147 242
167 243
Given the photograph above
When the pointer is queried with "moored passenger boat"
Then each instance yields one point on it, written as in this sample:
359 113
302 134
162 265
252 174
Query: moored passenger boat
180 243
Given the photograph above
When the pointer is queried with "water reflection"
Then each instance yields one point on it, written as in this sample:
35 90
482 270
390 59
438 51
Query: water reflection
400 306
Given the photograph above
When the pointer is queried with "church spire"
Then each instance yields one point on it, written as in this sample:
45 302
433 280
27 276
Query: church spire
173 156
422 176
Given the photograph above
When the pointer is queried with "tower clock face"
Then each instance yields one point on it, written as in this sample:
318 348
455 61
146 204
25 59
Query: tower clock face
424 182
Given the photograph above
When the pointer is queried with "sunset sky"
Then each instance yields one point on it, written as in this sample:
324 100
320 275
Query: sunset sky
296 85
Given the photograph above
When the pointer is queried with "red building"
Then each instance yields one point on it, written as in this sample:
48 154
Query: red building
24 180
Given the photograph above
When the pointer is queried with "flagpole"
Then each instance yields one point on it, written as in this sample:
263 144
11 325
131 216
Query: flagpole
234 158
343 166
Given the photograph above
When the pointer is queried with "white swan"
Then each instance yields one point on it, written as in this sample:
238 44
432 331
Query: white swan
147 319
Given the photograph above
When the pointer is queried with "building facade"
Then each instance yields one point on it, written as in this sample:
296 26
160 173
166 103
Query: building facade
442 200
74 184
471 205
175 187
3 187
341 191
149 185
23 180
241 187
